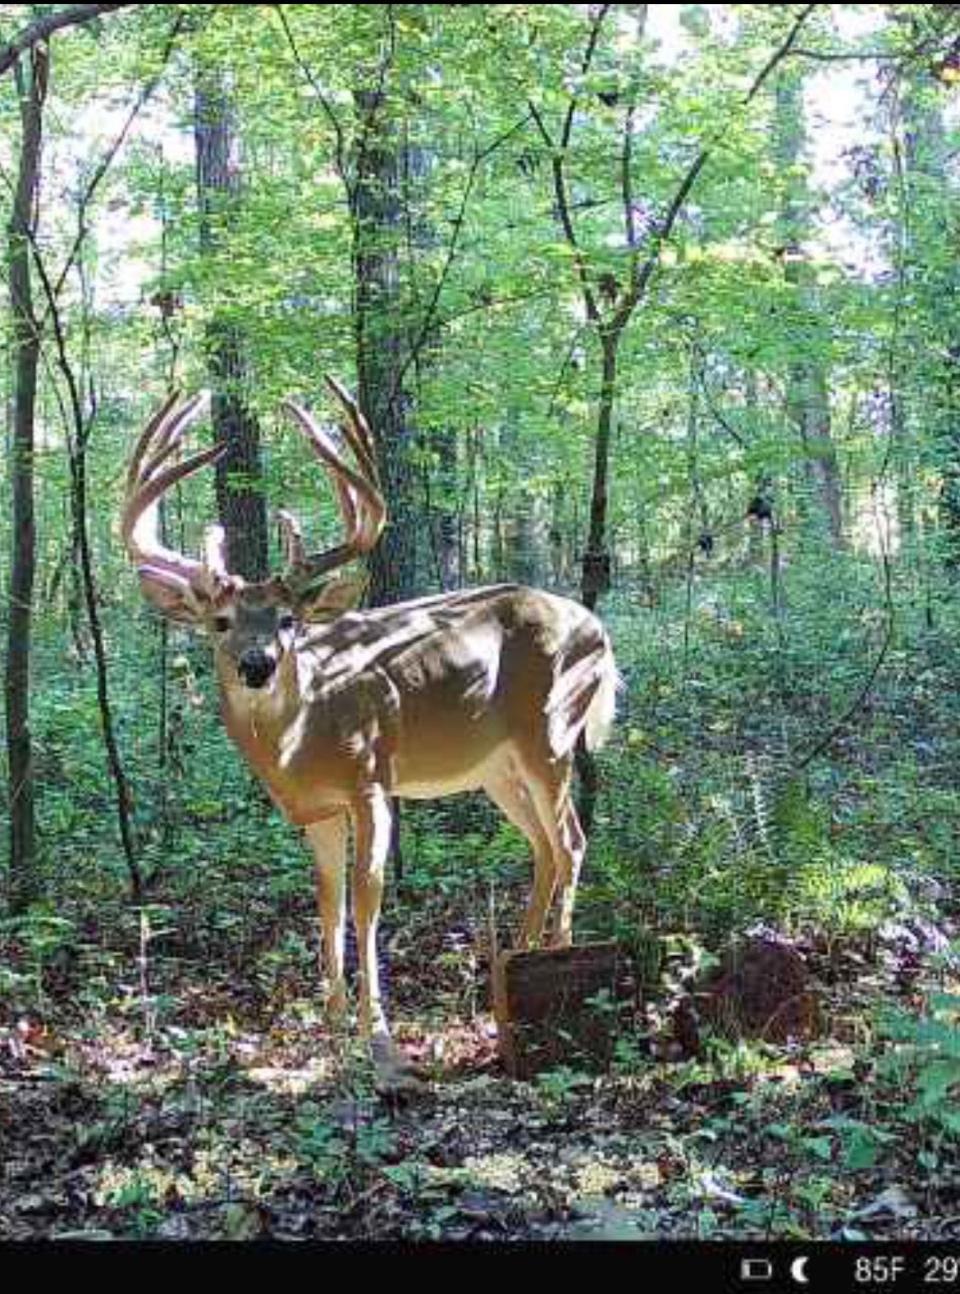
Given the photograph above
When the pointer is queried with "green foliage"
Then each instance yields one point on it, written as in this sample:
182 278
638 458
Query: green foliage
861 1144
337 1155
558 1086
924 1063
42 939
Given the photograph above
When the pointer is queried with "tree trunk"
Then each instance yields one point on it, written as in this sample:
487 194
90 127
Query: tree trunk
522 525
31 76
699 517
930 271
381 344
808 399
596 558
239 473
808 403
446 514
557 536
473 560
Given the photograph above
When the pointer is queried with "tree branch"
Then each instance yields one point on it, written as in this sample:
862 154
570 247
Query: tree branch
847 55
340 149
103 166
591 49
43 28
429 319
717 416
640 275
559 151
494 303
626 177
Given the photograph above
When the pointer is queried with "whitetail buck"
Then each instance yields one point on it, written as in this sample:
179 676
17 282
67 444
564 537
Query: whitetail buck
337 710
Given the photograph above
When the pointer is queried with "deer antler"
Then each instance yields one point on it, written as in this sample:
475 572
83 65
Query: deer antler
170 578
358 490
148 479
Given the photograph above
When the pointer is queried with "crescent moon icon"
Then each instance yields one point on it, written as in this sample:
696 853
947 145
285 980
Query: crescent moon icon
798 1272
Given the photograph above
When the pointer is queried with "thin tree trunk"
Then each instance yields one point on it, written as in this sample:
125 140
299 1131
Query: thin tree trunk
239 473
596 558
91 597
631 292
557 536
699 515
31 75
475 558
78 430
79 446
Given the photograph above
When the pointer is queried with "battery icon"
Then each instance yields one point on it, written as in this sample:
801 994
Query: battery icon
756 1269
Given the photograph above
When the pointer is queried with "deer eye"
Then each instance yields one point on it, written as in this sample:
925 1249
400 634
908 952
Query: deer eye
221 624
286 621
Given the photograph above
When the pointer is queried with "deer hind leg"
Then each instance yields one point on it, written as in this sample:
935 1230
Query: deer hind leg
512 799
328 840
551 799
575 846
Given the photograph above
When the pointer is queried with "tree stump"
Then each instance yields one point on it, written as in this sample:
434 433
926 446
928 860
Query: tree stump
762 990
558 1006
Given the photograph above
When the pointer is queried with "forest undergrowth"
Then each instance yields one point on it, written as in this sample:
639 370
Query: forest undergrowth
166 1072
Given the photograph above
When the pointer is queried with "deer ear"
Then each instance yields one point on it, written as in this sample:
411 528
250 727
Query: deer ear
333 597
172 596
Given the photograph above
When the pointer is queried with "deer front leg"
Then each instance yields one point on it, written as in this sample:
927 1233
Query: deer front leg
372 820
328 840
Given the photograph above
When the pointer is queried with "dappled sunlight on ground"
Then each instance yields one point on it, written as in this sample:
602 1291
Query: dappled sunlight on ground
222 1106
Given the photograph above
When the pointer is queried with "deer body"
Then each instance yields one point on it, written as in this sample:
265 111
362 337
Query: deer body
338 710
390 696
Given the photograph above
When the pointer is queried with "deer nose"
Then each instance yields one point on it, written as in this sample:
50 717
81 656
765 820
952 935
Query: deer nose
255 667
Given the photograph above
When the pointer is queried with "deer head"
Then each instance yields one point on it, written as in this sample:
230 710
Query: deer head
253 625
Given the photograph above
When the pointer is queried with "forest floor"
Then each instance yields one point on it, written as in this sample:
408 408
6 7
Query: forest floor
157 1084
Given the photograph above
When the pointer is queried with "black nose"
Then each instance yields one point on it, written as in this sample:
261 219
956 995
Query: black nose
255 667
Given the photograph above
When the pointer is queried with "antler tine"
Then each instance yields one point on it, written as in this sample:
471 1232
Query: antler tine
291 539
329 451
215 553
357 430
156 424
150 492
169 436
160 435
148 479
145 482
361 503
